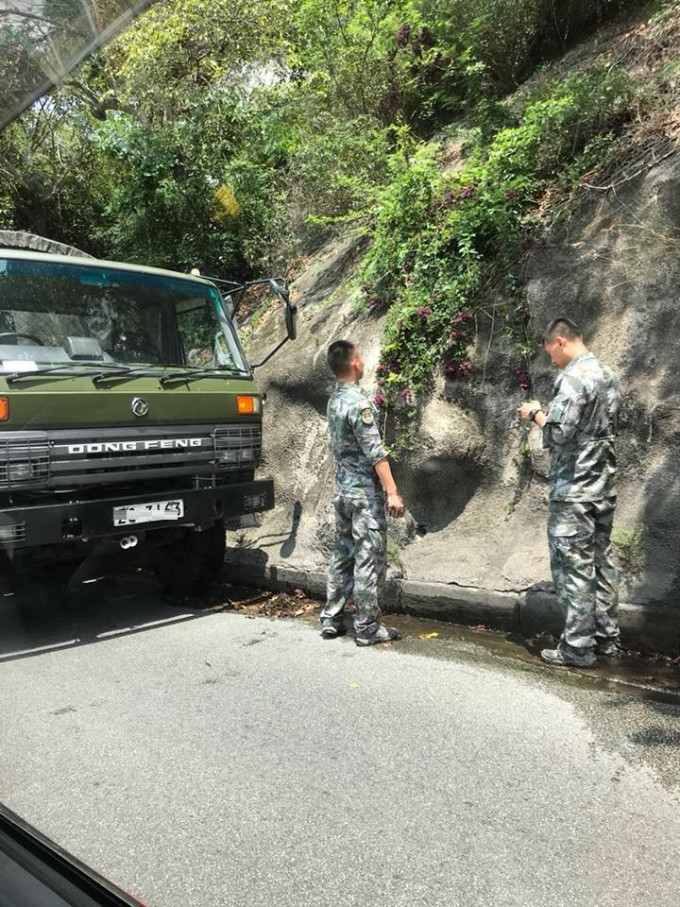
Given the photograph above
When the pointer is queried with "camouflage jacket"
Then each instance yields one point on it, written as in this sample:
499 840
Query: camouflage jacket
355 440
579 430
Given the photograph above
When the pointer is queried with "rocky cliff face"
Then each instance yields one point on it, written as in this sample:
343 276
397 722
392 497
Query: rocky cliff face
475 483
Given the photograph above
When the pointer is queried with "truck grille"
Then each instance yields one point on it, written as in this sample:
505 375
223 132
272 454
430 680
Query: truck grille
63 459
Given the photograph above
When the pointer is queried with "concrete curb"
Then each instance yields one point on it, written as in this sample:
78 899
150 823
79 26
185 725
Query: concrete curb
644 627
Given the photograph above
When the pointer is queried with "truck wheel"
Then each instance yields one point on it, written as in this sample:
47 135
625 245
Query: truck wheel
187 562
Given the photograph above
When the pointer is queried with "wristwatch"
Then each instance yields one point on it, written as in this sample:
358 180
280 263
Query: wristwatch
533 413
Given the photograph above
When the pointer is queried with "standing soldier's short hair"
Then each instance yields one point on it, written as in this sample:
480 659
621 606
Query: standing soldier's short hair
339 356
562 327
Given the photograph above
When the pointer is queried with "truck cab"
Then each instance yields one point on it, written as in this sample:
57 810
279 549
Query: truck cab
129 414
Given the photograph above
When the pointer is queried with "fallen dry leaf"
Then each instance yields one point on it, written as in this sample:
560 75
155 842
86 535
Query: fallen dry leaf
428 635
353 685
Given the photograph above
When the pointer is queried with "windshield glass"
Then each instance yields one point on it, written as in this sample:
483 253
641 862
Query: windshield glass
58 314
42 40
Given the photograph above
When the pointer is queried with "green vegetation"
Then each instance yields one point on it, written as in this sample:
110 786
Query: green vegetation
238 135
443 241
627 542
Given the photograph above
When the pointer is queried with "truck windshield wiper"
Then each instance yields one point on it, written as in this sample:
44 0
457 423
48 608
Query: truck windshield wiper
100 372
124 372
164 377
192 374
68 371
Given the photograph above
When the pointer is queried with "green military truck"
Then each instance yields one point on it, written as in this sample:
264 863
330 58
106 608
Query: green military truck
129 416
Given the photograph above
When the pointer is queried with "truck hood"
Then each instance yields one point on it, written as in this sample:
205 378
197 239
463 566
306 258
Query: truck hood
52 402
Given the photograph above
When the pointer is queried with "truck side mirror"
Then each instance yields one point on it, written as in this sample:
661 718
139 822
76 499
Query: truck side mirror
232 295
280 290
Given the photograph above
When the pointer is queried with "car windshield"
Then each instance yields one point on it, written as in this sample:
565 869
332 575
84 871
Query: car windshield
55 314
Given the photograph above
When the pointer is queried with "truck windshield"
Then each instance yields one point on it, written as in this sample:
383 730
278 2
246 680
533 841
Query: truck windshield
60 314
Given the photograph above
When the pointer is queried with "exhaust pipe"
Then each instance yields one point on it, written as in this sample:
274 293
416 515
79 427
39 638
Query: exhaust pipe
128 541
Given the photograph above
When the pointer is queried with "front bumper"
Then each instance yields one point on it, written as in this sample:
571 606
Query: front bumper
50 524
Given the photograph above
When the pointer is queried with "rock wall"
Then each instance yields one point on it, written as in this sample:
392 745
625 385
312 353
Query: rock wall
475 483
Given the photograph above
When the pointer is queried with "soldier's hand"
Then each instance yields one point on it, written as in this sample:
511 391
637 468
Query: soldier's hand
395 505
526 408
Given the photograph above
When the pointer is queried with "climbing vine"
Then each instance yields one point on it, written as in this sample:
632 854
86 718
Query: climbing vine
448 244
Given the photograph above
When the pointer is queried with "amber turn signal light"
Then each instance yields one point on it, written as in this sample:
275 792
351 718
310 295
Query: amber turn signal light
4 409
245 405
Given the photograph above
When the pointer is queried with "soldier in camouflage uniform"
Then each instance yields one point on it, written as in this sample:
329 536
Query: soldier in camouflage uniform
364 486
579 429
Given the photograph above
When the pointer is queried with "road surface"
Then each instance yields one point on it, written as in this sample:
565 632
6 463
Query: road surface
209 759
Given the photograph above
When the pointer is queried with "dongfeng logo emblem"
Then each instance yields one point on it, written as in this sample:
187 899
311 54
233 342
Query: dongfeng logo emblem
139 406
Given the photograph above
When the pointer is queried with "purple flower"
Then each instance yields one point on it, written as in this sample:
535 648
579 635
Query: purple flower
406 395
379 399
457 369
522 377
462 317
434 206
402 36
511 195
458 335
424 312
426 37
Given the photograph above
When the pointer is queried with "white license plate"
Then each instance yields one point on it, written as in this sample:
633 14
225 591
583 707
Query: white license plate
154 512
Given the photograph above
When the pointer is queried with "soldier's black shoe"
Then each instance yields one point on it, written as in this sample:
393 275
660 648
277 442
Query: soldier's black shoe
332 631
562 658
382 634
608 647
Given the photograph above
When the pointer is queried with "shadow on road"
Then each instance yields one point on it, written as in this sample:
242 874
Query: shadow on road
39 615
655 736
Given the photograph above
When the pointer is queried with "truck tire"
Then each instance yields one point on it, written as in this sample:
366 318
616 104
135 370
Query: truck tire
196 558
13 239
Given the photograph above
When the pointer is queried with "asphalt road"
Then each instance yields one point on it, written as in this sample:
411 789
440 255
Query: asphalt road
205 759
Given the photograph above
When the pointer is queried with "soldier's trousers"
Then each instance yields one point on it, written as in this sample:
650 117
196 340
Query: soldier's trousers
583 572
358 566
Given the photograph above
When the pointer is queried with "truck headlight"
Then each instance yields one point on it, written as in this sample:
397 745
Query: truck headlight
236 456
19 472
